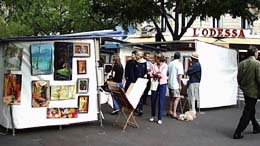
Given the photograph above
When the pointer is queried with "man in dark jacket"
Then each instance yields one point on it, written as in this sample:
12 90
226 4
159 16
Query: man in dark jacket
130 71
249 80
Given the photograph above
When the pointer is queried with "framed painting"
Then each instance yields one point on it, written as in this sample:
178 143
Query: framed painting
69 112
13 57
12 89
81 50
82 85
40 93
81 67
63 92
41 59
83 102
63 54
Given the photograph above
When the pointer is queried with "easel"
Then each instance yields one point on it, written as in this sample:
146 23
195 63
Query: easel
126 109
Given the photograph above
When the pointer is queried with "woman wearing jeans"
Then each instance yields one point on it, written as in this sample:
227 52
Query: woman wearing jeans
159 72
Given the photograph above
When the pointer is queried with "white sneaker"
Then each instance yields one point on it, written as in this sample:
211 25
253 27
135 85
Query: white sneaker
151 119
159 122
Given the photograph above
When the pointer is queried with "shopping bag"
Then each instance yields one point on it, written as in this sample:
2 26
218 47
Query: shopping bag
154 84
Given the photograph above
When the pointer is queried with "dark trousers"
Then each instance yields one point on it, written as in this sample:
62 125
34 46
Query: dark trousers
160 93
248 115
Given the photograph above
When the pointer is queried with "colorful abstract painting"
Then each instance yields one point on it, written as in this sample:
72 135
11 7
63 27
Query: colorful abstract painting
40 93
83 104
41 58
69 112
63 53
13 58
53 113
12 89
59 92
57 113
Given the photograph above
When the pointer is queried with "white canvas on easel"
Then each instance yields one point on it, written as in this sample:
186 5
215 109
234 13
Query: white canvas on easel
135 91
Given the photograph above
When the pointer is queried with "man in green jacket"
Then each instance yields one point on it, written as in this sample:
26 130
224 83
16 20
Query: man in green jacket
249 80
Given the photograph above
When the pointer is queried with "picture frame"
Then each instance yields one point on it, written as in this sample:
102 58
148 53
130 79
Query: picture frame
81 50
82 85
83 103
81 67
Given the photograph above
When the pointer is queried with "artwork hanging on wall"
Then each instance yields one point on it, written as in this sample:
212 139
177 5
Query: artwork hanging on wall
53 113
81 50
40 93
63 53
63 92
41 59
57 113
69 112
13 56
12 88
83 104
81 66
82 85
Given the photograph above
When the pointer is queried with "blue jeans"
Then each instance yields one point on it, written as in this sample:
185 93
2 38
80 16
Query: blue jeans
161 93
115 103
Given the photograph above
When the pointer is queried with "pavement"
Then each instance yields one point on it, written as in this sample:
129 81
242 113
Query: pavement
212 127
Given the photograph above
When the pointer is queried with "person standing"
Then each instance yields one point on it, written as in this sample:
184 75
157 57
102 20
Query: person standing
117 77
149 66
130 71
159 72
140 72
175 72
194 73
249 80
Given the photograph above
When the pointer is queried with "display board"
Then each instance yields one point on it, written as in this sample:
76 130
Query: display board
218 86
48 82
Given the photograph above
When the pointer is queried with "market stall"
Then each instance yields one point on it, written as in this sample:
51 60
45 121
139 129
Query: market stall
48 81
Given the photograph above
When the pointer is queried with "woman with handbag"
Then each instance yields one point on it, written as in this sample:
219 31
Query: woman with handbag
158 73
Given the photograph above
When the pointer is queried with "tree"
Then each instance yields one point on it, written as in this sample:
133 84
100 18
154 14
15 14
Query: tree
136 11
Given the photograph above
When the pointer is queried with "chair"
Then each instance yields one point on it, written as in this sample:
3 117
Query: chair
126 109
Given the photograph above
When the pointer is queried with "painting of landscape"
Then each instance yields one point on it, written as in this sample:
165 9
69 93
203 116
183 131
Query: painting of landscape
41 58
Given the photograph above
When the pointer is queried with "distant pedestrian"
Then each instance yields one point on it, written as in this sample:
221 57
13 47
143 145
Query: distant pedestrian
194 73
249 80
147 57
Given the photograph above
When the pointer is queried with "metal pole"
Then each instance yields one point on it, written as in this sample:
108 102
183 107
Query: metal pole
12 120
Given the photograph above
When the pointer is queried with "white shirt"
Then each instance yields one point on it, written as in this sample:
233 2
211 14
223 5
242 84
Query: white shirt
175 68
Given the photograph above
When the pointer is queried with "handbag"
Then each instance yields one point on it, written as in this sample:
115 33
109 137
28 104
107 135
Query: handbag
154 84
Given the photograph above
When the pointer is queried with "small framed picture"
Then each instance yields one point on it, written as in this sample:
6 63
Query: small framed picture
81 50
83 104
81 66
83 85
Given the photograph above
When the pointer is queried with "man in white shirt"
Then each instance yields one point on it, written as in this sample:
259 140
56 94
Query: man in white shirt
175 72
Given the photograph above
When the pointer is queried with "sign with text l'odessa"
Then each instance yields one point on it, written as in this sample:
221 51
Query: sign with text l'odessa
218 32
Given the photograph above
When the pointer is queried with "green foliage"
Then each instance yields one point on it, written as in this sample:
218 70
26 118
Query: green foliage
33 17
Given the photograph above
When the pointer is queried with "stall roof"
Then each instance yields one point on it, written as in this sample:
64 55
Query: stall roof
83 35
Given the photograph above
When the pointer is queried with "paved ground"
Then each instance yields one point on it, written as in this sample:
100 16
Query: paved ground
213 128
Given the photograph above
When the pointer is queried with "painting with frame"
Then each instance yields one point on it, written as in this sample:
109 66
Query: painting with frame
12 89
81 50
83 103
82 85
81 66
